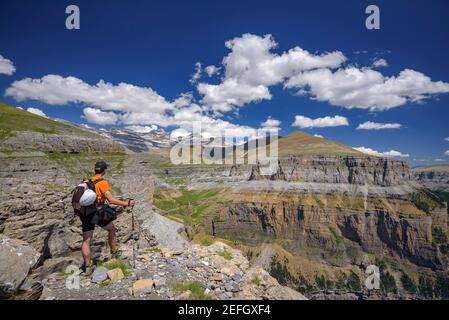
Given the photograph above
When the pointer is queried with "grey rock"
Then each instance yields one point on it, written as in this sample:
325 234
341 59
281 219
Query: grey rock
61 142
159 282
17 259
100 274
168 233
237 277
339 169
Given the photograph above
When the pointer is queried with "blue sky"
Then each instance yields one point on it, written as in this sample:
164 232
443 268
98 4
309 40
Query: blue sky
155 45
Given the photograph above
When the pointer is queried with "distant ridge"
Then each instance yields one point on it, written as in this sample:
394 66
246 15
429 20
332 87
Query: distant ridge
302 144
23 130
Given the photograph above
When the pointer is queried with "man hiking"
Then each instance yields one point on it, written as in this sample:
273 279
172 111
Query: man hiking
103 192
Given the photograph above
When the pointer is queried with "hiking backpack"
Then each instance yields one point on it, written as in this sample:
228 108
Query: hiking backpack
78 192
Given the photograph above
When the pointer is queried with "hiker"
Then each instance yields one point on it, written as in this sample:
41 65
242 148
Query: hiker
103 192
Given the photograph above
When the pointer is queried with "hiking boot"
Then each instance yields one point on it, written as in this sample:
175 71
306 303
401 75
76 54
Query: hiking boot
87 270
116 251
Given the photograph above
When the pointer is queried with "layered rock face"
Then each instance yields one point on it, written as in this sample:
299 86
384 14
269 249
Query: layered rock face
339 169
348 170
334 228
35 207
60 142
435 178
17 259
34 199
432 176
40 237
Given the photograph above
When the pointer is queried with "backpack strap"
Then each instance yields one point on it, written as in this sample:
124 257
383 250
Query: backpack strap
91 184
96 181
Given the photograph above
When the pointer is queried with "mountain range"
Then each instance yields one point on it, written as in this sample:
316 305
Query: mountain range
314 225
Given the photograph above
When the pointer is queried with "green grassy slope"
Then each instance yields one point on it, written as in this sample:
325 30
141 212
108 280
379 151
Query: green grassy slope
299 143
13 120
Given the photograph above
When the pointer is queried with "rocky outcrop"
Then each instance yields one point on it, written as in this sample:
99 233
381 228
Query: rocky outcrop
35 207
17 260
39 213
258 284
60 142
217 271
335 228
153 227
339 169
34 200
432 175
343 170
436 178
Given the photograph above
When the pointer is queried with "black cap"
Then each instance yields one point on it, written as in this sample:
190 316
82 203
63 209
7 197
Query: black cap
101 165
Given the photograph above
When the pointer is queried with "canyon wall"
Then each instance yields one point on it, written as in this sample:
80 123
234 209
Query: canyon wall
339 169
60 142
333 228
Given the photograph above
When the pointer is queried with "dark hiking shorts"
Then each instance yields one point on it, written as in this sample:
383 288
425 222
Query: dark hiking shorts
87 225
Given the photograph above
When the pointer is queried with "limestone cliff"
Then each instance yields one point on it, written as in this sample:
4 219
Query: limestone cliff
60 142
339 169
341 230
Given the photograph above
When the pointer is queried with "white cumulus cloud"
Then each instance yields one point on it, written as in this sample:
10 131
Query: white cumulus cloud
100 117
446 153
37 111
142 129
211 70
58 90
366 88
380 63
252 66
197 75
318 136
271 123
231 93
6 66
305 122
389 154
369 125
447 139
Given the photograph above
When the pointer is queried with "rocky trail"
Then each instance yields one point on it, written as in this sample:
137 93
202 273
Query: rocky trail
195 273
167 266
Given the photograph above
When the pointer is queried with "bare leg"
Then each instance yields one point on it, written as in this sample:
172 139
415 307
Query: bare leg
112 236
85 248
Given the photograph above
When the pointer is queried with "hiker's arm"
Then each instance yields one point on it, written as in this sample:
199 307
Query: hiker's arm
118 202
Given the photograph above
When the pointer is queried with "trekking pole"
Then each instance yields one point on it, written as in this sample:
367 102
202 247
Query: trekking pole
134 236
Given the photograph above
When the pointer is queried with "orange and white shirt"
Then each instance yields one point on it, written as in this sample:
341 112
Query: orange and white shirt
100 188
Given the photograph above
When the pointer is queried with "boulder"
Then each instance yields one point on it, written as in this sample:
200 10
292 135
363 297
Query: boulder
17 259
141 287
100 274
166 252
258 284
115 274
217 277
159 282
